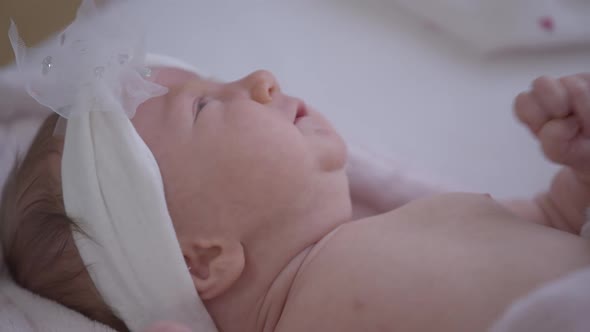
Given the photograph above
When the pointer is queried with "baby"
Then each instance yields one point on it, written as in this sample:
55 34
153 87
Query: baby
255 185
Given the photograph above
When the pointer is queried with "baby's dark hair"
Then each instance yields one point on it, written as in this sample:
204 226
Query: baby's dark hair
37 239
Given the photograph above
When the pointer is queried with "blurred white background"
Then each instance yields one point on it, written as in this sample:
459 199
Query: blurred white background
385 80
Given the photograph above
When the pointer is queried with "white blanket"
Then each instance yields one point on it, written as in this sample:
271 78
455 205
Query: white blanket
22 311
561 306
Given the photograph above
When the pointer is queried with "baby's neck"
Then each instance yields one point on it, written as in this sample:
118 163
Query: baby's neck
273 258
274 255
256 301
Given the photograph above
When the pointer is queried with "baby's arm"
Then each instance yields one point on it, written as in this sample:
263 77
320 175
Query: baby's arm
557 112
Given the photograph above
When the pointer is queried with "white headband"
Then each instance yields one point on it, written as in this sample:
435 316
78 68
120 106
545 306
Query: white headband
93 75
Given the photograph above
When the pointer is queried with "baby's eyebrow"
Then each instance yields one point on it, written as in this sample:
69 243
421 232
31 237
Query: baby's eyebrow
194 85
209 79
200 83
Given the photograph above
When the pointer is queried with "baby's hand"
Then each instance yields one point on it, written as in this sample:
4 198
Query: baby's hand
557 111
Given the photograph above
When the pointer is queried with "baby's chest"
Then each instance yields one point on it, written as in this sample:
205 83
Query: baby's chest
430 267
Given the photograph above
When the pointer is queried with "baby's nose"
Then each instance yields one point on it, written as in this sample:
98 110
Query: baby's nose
262 85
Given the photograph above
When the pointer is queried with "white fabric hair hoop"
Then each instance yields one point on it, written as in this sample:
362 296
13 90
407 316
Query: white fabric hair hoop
91 74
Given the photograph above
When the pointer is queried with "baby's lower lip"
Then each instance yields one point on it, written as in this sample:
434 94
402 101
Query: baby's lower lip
307 124
298 119
301 112
312 125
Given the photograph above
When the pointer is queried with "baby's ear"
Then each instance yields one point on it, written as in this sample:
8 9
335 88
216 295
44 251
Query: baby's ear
214 265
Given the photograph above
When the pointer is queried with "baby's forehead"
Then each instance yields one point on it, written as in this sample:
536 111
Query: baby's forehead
182 82
170 77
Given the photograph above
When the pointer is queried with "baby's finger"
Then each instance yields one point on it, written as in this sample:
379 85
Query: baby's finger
552 96
556 138
529 112
579 95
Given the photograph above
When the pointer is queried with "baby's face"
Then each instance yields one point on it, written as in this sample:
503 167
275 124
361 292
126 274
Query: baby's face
238 149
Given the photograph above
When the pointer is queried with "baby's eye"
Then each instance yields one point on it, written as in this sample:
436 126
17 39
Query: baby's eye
200 105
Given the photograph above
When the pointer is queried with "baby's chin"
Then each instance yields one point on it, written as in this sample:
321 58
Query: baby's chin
335 159
331 150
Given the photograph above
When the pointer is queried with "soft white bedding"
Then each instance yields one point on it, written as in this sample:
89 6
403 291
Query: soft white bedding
386 79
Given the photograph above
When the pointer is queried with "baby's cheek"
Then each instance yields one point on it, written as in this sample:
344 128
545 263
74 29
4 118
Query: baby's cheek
330 151
266 169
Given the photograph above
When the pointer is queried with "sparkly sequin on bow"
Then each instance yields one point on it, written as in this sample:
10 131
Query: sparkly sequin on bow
123 58
146 72
47 64
98 71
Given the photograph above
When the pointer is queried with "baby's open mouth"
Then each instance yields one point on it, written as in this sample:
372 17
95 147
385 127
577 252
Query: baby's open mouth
301 112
